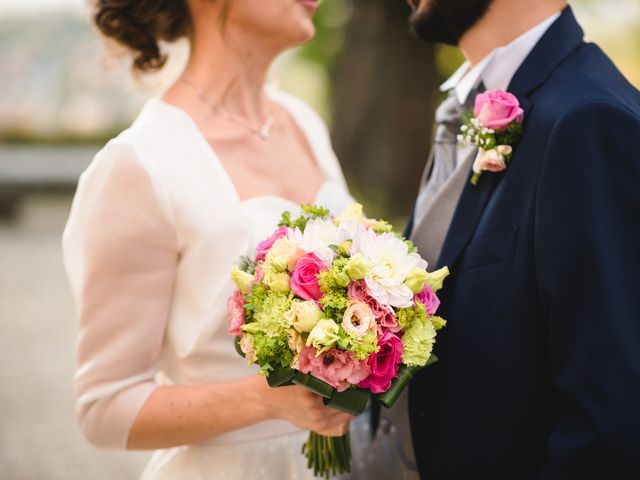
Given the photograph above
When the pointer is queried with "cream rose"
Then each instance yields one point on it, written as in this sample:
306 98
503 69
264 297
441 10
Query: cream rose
494 160
243 280
324 335
357 267
353 213
283 255
277 282
416 280
303 315
436 279
296 344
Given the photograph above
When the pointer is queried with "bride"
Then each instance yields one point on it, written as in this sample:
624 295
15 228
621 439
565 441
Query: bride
158 220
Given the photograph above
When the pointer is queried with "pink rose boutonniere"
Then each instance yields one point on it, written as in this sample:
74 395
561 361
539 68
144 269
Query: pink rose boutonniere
494 126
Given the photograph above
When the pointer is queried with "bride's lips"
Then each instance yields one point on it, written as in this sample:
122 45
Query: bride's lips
309 4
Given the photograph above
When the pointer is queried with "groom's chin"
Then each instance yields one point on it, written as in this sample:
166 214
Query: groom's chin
426 27
431 24
446 21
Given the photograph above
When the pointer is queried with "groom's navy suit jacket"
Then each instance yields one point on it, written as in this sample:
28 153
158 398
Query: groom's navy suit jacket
539 371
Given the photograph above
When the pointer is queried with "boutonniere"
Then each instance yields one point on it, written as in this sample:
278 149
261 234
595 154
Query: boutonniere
494 126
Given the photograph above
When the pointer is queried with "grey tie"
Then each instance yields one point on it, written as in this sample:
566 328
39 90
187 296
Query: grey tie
435 207
439 194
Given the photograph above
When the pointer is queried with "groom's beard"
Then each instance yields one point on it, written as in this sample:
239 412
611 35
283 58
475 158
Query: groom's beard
446 21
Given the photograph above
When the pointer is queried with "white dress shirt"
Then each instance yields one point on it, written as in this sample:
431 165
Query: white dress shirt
498 68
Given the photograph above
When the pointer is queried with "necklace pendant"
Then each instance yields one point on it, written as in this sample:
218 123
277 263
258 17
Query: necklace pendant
265 130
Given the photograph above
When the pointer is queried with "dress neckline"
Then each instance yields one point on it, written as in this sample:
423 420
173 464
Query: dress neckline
223 171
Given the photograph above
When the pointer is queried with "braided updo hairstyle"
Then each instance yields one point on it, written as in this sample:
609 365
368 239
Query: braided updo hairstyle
139 25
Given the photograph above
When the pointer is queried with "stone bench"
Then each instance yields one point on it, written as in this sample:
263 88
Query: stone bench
25 170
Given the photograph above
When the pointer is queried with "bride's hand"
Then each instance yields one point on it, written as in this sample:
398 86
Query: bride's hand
305 410
338 431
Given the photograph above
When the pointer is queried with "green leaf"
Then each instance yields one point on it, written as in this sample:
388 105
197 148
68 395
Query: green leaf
314 384
315 211
432 359
280 377
352 401
398 385
510 135
248 265
309 212
236 343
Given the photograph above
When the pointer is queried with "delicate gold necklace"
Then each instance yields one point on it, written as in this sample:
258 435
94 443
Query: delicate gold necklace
261 132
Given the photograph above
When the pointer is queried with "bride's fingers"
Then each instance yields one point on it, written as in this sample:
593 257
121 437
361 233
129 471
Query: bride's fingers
338 417
331 421
336 431
318 408
307 410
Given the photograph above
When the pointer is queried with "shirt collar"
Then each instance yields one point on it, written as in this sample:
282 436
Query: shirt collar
498 68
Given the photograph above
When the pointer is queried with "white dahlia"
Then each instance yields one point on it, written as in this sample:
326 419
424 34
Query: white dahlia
391 264
318 236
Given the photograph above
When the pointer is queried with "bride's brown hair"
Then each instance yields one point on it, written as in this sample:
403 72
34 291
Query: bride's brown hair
140 25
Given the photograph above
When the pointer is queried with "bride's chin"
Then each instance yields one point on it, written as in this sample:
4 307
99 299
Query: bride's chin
303 35
309 35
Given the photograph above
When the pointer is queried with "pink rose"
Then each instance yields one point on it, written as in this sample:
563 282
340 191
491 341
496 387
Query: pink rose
235 315
389 322
385 316
358 291
384 364
304 280
338 368
496 109
263 247
428 299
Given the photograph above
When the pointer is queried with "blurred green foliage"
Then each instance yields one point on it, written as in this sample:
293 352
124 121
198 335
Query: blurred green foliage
331 21
622 44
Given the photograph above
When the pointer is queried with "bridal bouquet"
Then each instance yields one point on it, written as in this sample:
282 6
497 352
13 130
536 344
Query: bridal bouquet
342 306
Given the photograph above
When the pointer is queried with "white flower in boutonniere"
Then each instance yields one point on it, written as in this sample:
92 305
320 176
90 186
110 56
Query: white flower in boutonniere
494 126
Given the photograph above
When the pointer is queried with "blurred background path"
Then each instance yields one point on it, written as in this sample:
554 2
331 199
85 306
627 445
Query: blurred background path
38 435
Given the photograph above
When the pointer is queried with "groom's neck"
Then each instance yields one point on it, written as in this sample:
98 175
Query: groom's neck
505 21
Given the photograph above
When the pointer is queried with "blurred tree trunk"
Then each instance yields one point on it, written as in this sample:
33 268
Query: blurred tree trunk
385 89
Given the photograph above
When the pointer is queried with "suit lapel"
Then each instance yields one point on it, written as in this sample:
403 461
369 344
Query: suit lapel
470 207
562 38
558 42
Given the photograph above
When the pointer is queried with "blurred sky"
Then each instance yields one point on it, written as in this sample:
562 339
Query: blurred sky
58 78
38 6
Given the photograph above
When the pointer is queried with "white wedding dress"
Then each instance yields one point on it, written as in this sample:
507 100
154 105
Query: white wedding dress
155 227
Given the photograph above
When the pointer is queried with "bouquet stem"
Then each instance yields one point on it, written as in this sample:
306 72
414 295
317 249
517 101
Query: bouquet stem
328 456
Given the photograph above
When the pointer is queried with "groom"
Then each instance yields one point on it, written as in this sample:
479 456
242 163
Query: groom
539 372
